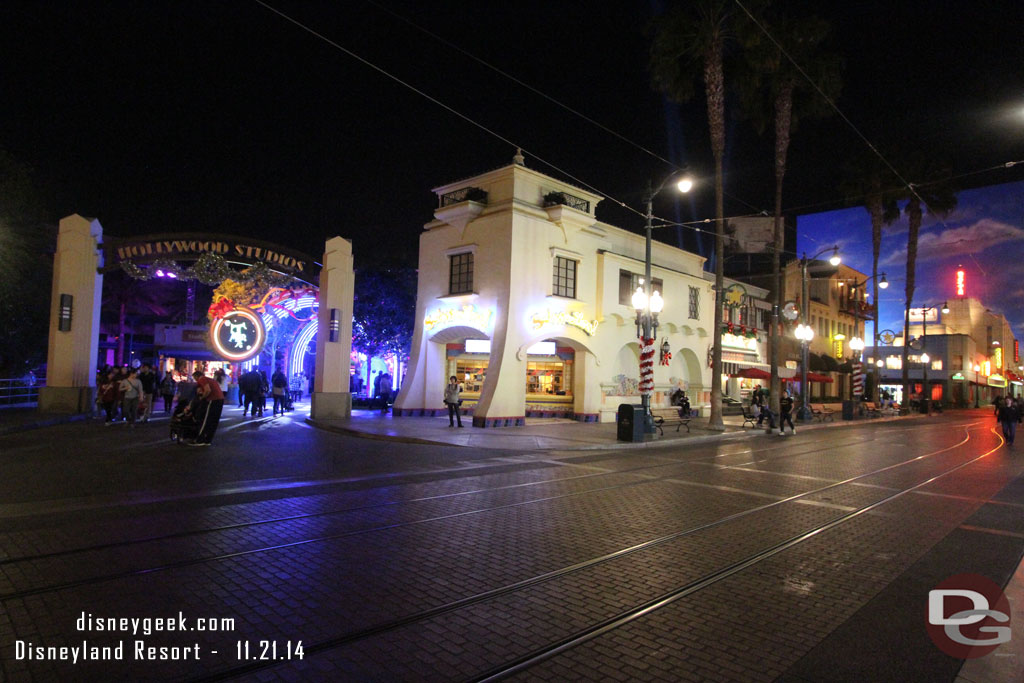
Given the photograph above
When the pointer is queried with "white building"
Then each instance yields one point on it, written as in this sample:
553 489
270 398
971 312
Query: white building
525 297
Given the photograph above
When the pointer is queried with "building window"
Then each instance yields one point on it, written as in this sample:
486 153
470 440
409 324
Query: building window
694 303
460 273
564 277
628 282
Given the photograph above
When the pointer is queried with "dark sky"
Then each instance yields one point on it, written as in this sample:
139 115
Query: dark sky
224 117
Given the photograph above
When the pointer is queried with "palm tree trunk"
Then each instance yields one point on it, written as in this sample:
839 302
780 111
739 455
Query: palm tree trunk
715 89
913 212
874 207
783 125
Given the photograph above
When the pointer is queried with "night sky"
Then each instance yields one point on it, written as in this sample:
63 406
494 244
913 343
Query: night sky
225 117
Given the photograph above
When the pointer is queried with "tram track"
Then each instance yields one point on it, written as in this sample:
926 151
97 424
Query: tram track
340 511
636 612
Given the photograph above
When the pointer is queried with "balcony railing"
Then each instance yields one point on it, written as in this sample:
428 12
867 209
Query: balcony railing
566 199
472 194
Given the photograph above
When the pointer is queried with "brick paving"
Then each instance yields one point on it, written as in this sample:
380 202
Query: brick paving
352 543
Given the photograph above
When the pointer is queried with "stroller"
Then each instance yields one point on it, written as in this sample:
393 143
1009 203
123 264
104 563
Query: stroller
184 424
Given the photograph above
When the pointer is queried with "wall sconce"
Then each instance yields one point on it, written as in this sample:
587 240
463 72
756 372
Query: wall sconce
64 318
335 326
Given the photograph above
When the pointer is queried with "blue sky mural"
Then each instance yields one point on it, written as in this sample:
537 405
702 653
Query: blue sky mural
984 235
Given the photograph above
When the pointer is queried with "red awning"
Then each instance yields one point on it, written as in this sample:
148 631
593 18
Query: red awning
815 377
753 373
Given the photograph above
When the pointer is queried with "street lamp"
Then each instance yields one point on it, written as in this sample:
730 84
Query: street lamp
881 283
649 304
807 334
925 393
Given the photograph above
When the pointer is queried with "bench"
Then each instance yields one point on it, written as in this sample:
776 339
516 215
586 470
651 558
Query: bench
669 416
748 416
820 413
871 409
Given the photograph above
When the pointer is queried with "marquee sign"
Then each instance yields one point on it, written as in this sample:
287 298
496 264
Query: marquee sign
735 341
237 335
960 282
575 319
469 315
192 246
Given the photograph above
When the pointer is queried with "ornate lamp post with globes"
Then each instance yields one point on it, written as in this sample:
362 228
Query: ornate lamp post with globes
806 334
648 304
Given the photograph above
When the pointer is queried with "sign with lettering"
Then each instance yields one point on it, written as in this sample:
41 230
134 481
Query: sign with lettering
469 315
238 335
190 246
575 319
960 283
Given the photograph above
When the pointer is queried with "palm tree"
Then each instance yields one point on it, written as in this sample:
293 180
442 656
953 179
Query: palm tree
939 198
689 44
864 181
775 87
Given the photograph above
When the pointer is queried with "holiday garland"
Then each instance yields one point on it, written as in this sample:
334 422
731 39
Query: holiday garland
647 367
210 269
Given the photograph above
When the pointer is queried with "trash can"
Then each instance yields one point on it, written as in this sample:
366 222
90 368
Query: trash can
925 403
630 422
848 410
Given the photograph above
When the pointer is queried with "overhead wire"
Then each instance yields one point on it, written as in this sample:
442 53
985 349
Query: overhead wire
441 104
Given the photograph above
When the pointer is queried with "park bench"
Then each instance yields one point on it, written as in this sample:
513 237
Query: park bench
664 417
748 416
872 410
820 413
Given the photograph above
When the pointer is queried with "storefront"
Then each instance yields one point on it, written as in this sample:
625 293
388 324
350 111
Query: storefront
526 298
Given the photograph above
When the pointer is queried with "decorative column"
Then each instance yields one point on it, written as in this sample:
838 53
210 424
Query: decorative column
74 318
331 395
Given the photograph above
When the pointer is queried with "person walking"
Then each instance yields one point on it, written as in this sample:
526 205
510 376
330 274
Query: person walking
263 390
213 405
786 407
131 393
168 387
108 396
1008 415
385 391
279 385
452 400
148 379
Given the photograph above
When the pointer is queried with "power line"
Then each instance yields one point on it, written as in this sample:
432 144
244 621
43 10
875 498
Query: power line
441 104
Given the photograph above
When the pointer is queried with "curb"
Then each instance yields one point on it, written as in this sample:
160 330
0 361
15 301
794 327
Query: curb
614 445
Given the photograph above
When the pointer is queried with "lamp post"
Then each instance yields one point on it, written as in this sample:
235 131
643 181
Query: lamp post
648 304
808 333
857 346
925 393
880 283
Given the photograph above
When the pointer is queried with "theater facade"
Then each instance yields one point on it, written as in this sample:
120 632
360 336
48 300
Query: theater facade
525 297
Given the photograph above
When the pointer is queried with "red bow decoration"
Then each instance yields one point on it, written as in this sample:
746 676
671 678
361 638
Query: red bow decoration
220 308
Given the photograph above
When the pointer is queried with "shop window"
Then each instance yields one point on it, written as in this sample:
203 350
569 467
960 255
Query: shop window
548 378
564 277
628 282
460 273
471 374
694 303
894 362
937 364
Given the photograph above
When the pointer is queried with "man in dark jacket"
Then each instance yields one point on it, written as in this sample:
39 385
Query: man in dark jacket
1007 415
786 406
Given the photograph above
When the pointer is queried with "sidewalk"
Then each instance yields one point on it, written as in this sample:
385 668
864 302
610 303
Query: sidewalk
22 418
542 433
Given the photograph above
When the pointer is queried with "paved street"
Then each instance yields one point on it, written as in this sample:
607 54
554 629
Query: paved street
743 557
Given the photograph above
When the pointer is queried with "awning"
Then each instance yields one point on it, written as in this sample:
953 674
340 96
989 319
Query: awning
815 377
188 353
785 374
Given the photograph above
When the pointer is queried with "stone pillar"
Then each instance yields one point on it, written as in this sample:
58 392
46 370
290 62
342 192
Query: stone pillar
331 395
74 343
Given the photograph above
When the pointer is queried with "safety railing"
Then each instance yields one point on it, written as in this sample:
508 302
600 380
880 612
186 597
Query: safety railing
20 391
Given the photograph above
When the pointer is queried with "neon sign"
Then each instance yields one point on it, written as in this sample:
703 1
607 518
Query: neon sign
960 288
575 319
1016 351
468 315
999 357
237 335
996 381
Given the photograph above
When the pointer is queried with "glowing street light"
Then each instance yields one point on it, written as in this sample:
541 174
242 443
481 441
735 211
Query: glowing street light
808 333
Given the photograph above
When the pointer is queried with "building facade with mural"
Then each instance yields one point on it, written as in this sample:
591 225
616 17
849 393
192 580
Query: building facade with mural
525 297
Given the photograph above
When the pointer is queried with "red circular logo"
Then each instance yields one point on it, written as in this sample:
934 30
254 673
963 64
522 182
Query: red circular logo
968 616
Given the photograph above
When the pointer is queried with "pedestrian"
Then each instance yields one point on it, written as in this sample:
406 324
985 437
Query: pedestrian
764 410
279 386
108 396
1007 415
385 391
131 393
452 400
168 388
209 414
148 379
786 407
376 384
263 390
295 387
